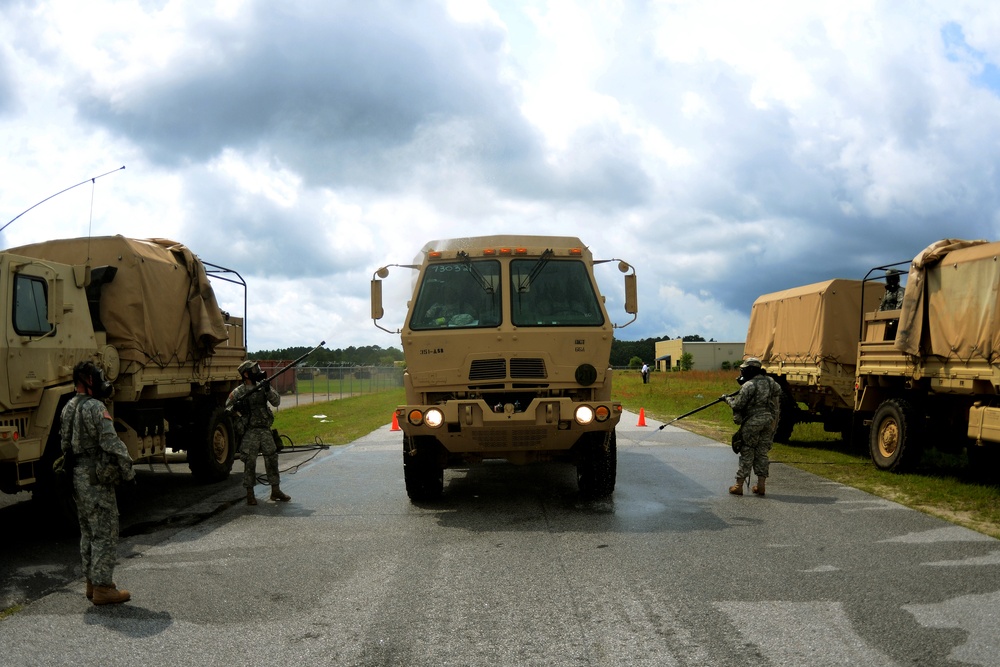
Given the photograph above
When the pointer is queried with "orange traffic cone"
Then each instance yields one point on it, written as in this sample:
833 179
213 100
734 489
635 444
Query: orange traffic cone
395 423
642 417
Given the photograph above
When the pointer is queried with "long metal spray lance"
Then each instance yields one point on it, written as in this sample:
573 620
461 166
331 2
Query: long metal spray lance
296 362
688 414
266 381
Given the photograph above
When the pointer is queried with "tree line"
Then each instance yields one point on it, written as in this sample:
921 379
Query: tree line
366 355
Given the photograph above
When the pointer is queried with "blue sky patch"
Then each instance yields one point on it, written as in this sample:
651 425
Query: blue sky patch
958 50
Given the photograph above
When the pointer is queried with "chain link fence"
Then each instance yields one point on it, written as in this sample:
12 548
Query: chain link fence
318 384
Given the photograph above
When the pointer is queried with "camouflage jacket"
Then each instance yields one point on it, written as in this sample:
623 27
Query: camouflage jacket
252 405
87 429
757 401
893 299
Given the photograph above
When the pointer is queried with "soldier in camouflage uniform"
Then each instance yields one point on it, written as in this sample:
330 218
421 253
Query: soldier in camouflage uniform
755 409
249 402
99 460
893 297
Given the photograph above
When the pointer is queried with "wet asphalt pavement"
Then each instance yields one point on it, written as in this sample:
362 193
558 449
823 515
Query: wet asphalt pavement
511 567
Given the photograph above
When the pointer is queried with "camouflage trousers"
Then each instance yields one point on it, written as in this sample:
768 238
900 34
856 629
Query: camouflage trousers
97 510
259 441
757 438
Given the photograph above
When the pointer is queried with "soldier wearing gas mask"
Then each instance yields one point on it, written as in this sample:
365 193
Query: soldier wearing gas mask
100 460
249 405
755 409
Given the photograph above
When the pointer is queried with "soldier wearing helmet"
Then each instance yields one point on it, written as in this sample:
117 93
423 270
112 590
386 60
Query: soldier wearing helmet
100 460
755 409
893 297
249 403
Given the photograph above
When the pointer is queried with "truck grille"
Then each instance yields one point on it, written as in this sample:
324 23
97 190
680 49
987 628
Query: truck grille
527 368
496 369
20 422
488 369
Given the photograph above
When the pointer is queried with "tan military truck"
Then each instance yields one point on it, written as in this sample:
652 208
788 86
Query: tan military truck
145 312
507 342
929 373
807 339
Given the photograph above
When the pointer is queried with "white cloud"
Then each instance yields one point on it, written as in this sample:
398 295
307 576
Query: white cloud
725 149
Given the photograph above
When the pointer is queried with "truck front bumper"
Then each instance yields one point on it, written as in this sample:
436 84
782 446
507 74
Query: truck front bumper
551 424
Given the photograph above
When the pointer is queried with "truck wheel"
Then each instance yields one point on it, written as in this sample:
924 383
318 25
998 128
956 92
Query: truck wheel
788 416
422 472
893 440
597 465
210 457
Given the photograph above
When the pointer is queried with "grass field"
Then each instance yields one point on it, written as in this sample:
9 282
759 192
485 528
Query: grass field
941 486
338 422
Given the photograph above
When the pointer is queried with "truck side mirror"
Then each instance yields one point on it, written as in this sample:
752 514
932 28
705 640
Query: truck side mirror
377 310
631 295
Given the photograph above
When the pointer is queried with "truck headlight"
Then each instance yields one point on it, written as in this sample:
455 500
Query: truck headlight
584 414
434 417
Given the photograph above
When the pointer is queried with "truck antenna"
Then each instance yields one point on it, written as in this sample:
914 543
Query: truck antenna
59 193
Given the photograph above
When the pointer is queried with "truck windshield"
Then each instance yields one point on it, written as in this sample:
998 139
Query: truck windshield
557 293
458 294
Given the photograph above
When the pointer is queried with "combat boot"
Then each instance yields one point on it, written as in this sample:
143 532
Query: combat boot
90 589
737 488
251 497
759 486
110 595
276 494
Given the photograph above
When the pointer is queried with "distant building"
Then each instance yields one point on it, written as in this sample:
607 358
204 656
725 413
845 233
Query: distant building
705 356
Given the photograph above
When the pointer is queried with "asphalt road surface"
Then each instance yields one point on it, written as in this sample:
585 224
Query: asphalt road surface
511 567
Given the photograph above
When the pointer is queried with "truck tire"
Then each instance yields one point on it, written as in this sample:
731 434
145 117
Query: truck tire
597 464
210 456
422 471
894 440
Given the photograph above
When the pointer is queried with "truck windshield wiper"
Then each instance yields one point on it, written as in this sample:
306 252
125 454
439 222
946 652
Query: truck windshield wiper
480 278
535 270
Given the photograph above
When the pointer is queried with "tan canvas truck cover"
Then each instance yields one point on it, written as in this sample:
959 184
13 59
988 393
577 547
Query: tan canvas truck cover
160 308
810 324
951 308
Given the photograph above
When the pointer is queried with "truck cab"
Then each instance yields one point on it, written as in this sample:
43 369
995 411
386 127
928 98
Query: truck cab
506 342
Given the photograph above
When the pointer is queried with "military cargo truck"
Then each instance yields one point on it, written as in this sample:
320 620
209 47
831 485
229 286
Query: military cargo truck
506 343
807 339
895 380
145 312
929 373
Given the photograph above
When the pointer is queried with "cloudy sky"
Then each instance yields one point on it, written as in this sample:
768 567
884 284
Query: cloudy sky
726 149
